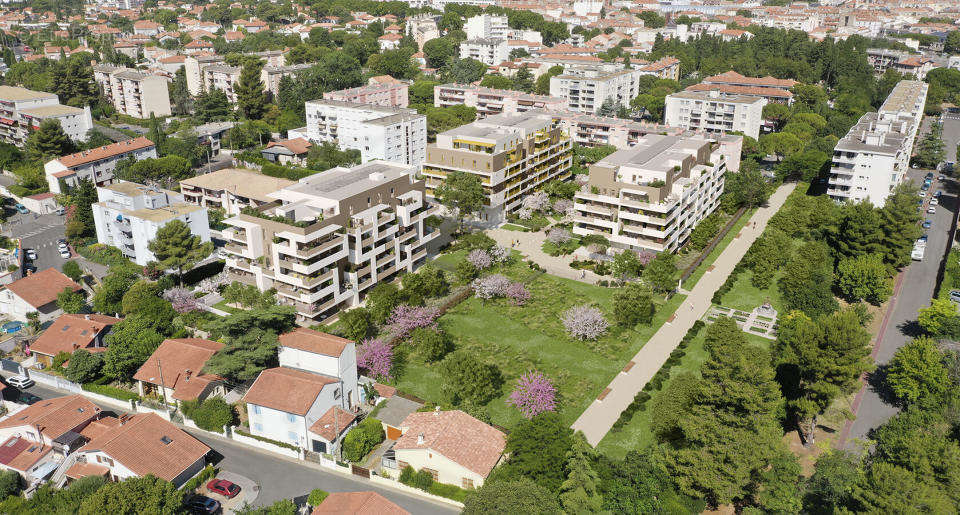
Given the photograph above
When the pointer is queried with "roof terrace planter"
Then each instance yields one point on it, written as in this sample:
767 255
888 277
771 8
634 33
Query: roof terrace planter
279 219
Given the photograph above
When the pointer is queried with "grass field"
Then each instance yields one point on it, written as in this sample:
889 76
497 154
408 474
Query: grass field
521 338
222 305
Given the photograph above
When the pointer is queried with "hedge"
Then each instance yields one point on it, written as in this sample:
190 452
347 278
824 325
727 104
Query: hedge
111 391
363 439
105 255
193 483
267 440
424 481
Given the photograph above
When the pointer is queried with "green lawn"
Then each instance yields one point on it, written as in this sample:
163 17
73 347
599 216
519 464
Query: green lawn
521 338
745 296
514 227
715 253
222 305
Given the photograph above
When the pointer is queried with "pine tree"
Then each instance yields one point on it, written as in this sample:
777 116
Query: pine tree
578 494
251 99
212 106
82 197
179 93
176 247
900 223
157 135
859 231
523 80
49 141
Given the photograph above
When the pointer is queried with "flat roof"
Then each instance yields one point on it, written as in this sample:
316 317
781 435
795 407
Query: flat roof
240 182
162 214
706 95
54 110
342 183
18 93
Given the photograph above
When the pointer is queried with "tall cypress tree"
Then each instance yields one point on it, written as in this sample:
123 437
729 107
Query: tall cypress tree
578 494
900 223
251 98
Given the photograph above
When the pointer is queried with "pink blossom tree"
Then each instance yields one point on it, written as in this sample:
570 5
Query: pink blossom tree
182 299
559 236
534 394
518 293
645 257
490 286
538 201
375 357
405 319
584 322
563 206
499 254
480 259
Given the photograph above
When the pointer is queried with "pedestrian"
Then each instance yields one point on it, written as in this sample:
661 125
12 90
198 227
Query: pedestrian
583 273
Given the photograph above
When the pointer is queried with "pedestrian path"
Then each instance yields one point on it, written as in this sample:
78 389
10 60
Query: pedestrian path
600 416
530 245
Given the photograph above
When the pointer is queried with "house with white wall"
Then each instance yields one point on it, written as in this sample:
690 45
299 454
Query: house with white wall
36 292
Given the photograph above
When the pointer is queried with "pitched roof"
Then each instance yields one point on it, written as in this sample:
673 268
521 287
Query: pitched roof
54 416
296 145
106 151
71 332
21 454
358 503
148 444
314 341
178 363
734 77
287 389
457 436
79 470
332 423
41 288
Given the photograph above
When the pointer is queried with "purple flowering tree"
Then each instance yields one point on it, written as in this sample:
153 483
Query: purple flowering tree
534 394
405 319
490 286
375 357
563 206
584 322
212 284
182 299
480 259
499 254
518 293
645 257
538 201
559 236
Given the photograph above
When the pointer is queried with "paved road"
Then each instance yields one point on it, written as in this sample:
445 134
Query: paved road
601 414
40 233
916 286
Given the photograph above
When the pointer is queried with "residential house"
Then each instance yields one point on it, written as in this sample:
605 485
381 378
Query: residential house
389 41
231 189
71 332
96 165
36 438
357 503
289 151
175 371
36 292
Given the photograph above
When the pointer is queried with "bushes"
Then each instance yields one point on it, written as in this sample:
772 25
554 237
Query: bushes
727 285
285 172
431 344
471 241
104 254
206 474
664 373
267 440
212 414
424 481
111 391
363 439
9 483
316 497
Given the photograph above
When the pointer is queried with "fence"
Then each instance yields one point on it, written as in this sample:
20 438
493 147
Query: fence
54 381
709 248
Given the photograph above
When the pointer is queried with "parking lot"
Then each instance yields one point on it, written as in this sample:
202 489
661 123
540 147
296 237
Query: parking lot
40 233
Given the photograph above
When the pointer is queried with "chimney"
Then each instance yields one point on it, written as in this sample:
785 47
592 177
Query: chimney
420 439
187 372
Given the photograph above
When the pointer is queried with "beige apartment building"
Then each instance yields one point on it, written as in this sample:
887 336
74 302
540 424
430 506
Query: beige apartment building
651 196
490 101
133 93
513 155
231 189
327 239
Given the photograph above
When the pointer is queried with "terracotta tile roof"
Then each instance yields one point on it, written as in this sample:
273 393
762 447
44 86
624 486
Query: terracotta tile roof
71 332
233 35
104 152
41 288
54 416
172 59
742 90
327 425
314 341
148 444
391 37
98 428
455 435
21 454
287 389
734 77
358 503
296 145
180 363
384 391
79 470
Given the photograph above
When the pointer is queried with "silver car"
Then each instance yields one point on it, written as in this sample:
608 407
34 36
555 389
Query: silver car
20 382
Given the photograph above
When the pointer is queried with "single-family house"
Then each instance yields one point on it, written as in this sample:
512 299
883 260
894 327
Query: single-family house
35 292
175 371
358 503
35 435
288 151
71 332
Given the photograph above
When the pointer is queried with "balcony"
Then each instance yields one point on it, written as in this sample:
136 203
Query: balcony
309 250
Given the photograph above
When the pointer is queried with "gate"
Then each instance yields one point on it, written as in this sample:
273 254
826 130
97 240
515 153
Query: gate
360 471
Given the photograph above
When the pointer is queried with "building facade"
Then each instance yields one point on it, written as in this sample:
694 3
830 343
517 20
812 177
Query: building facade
589 130
132 92
586 88
487 26
387 94
96 165
714 112
513 156
330 237
23 110
490 101
874 156
489 51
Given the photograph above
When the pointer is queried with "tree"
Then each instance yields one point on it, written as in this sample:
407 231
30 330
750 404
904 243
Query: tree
211 414
780 144
71 301
146 494
578 494
777 113
84 367
888 488
951 45
660 273
73 81
938 318
468 381
584 322
438 51
535 448
212 105
523 80
534 394
107 299
515 496
858 232
180 99
129 345
252 337
864 277
138 296
807 280
632 305
72 270
917 372
49 141
9 483
251 98
395 63
626 265
496 82
176 247
382 300
431 344
705 231
362 439
356 324
834 478
900 223
461 193
465 71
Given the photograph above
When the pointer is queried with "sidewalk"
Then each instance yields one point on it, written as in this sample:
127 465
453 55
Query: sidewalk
530 245
600 416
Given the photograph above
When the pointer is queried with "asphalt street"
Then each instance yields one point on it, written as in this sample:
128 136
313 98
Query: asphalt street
917 287
40 233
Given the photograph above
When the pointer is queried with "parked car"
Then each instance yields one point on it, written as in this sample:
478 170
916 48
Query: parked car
20 382
31 254
921 194
923 238
28 398
934 201
204 504
955 295
938 193
929 176
223 487
927 224
925 187
22 209
64 253
931 210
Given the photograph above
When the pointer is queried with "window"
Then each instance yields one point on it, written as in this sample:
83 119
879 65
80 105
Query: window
293 436
467 483
256 409
291 418
258 427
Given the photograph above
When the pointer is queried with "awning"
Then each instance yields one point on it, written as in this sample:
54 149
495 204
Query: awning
45 470
6 121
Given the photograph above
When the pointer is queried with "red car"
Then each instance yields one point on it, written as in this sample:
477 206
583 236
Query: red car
223 487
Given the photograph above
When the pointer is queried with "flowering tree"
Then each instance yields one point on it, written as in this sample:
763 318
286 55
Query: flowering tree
480 259
518 293
212 284
584 322
525 214
375 357
645 257
407 318
563 206
499 254
182 299
538 201
559 236
490 286
534 394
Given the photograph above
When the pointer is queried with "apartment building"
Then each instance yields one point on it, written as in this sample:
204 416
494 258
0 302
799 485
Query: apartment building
485 26
330 237
874 156
231 189
772 89
128 216
906 63
585 88
132 92
388 133
490 101
195 65
651 196
23 110
489 51
223 77
388 94
512 154
96 165
422 28
715 112
666 68
589 130
271 75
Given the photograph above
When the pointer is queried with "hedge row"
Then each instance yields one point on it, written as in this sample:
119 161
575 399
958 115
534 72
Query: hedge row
725 287
111 391
206 474
424 481
267 440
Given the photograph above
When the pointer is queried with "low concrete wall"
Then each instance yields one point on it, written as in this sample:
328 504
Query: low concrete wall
253 442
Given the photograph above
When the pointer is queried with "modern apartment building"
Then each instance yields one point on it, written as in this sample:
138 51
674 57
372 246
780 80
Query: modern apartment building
330 237
714 112
874 156
231 189
589 130
489 51
490 101
513 155
132 92
23 110
652 195
485 26
388 133
732 83
129 215
96 165
195 65
388 94
585 88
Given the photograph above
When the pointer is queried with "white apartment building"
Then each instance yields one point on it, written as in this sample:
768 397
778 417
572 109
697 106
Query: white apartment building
651 196
96 165
489 51
222 77
715 112
586 88
128 216
391 134
874 156
589 130
486 26
330 237
132 92
490 101
194 66
271 75
23 110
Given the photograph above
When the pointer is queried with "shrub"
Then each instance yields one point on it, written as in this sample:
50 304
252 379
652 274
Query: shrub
316 497
422 480
517 293
465 379
111 391
466 272
84 366
212 414
9 483
362 439
584 322
405 319
475 240
406 475
206 474
57 364
480 259
490 286
431 344
356 324
375 357
633 305
72 270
